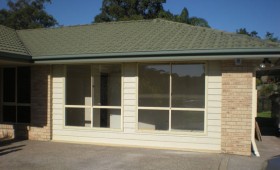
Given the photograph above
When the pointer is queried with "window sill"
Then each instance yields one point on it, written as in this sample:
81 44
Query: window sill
91 129
174 133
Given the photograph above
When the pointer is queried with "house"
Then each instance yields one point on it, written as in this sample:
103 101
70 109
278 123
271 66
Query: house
152 83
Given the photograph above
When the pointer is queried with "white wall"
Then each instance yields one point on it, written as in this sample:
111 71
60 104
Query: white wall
211 140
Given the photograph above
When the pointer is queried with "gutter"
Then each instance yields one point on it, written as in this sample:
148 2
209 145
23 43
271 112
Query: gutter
162 56
15 57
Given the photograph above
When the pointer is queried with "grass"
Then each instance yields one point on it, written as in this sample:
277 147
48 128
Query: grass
265 114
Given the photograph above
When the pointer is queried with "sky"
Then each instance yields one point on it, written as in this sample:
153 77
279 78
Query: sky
225 15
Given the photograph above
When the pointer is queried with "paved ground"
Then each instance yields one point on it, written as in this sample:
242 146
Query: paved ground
52 155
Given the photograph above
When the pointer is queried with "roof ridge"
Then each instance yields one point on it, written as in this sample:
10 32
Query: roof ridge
92 24
198 27
22 43
130 21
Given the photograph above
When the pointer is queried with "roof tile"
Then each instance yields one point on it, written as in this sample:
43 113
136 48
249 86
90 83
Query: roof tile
125 37
10 42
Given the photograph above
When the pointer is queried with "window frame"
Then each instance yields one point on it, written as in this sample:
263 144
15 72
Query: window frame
15 104
91 106
170 108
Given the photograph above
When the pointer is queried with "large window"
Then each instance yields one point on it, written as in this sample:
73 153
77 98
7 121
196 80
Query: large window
171 97
16 94
93 96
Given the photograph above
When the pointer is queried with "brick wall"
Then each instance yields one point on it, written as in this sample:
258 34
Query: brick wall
237 107
40 127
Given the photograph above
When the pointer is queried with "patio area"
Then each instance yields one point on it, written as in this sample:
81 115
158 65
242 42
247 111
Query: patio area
28 154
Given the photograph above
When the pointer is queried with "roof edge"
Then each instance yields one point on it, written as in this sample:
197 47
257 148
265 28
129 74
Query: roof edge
15 57
208 52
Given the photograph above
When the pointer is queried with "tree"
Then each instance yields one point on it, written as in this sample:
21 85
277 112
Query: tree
119 10
242 31
26 14
270 36
184 18
245 32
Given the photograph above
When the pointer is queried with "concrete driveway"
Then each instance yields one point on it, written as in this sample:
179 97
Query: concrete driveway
55 155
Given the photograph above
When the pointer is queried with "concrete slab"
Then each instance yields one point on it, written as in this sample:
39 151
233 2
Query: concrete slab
55 155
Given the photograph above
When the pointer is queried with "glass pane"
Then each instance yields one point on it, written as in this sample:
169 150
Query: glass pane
154 85
9 84
78 90
188 85
153 119
78 117
23 85
9 114
107 118
106 85
187 120
23 114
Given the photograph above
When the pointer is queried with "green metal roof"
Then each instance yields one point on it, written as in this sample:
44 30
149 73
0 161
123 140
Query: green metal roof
124 39
11 45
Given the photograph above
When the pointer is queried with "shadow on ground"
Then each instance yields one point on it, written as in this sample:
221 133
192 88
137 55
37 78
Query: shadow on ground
6 148
267 126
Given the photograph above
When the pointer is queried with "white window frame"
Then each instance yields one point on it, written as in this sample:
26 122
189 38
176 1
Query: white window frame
170 108
91 106
16 104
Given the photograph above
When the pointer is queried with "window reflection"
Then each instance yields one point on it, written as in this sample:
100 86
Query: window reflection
188 85
154 85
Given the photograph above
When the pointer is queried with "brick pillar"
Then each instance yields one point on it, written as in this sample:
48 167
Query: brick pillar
40 127
237 107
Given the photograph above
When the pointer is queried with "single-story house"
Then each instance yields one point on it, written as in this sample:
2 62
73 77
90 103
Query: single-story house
151 83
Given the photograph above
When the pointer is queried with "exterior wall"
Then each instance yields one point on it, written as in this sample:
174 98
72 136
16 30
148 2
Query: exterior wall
129 135
1 92
237 82
10 130
40 127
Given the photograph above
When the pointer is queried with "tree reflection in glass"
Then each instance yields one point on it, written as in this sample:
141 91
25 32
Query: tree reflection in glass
154 85
188 85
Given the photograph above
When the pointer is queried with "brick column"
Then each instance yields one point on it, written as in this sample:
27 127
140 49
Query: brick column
40 127
237 107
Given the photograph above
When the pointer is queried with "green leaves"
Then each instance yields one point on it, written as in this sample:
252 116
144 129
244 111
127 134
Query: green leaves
268 36
26 14
123 10
119 10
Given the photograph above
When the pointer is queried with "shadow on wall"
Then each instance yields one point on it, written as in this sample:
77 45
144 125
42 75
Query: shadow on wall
40 94
39 109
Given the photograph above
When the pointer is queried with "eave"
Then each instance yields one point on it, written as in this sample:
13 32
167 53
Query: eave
208 54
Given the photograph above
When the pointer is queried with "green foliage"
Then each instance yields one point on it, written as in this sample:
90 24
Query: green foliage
198 22
123 10
120 10
270 36
265 114
245 32
26 14
267 89
258 82
184 18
